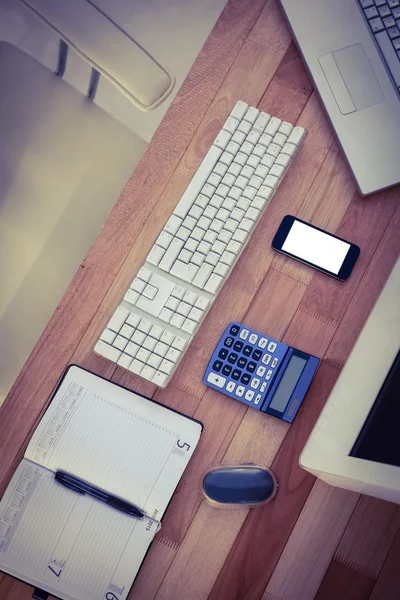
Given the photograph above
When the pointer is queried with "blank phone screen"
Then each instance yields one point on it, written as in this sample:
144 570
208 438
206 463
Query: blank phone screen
316 247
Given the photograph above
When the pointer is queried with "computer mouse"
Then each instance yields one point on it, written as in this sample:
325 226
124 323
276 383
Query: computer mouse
239 485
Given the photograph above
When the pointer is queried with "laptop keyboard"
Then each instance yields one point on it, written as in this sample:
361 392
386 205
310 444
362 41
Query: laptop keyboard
383 17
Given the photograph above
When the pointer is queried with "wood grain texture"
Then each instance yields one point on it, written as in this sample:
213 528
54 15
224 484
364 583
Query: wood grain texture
312 541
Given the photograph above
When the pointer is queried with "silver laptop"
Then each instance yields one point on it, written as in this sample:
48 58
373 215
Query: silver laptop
352 51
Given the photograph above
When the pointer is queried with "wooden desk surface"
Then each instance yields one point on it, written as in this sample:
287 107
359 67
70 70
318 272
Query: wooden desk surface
312 541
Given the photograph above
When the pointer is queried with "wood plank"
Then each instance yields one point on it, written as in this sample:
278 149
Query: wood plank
312 543
254 554
366 294
388 583
365 548
202 553
12 589
343 582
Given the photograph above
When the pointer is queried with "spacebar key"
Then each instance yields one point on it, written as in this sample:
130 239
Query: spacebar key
197 182
390 55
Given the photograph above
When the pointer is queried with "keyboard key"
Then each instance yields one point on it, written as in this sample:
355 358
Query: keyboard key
236 374
108 336
238 346
132 349
296 136
245 378
133 320
107 351
256 354
230 386
247 350
136 366
118 319
241 363
154 360
189 326
262 342
216 379
269 374
166 366
223 353
255 383
239 110
179 343
147 372
263 386
260 371
125 361
251 367
228 341
226 370
160 378
161 349
177 320
213 283
249 395
274 362
217 366
232 358
243 334
202 275
266 359
239 391
257 399
143 355
272 347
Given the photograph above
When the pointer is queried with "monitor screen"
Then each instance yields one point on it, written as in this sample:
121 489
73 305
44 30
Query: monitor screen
288 382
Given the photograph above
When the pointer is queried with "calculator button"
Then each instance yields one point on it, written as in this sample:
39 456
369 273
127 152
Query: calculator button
238 346
260 371
257 399
245 378
257 354
262 342
253 338
251 367
263 386
230 386
232 358
228 342
266 359
217 366
226 370
255 383
236 374
272 347
239 391
249 395
268 375
223 353
274 362
242 362
247 350
243 334
216 379
234 330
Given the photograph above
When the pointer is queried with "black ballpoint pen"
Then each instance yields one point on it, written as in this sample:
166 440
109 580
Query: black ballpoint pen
82 487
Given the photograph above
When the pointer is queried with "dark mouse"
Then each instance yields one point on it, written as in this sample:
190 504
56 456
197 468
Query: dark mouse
240 485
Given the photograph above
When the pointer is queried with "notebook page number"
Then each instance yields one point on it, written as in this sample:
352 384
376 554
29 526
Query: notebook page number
114 592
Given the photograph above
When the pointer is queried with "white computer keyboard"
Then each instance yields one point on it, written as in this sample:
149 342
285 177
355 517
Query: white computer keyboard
200 243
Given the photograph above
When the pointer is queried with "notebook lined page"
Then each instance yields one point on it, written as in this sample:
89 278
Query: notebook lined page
116 440
71 545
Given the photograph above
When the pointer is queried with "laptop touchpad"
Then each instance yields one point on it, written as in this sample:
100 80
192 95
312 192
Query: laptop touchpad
351 78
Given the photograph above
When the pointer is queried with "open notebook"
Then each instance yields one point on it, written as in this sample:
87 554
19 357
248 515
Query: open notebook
72 545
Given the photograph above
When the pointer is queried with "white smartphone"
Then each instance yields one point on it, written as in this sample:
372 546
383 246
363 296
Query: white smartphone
315 247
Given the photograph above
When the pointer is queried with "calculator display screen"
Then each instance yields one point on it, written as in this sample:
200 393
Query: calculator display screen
288 382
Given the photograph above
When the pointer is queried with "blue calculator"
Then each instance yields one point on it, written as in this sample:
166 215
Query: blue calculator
261 372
